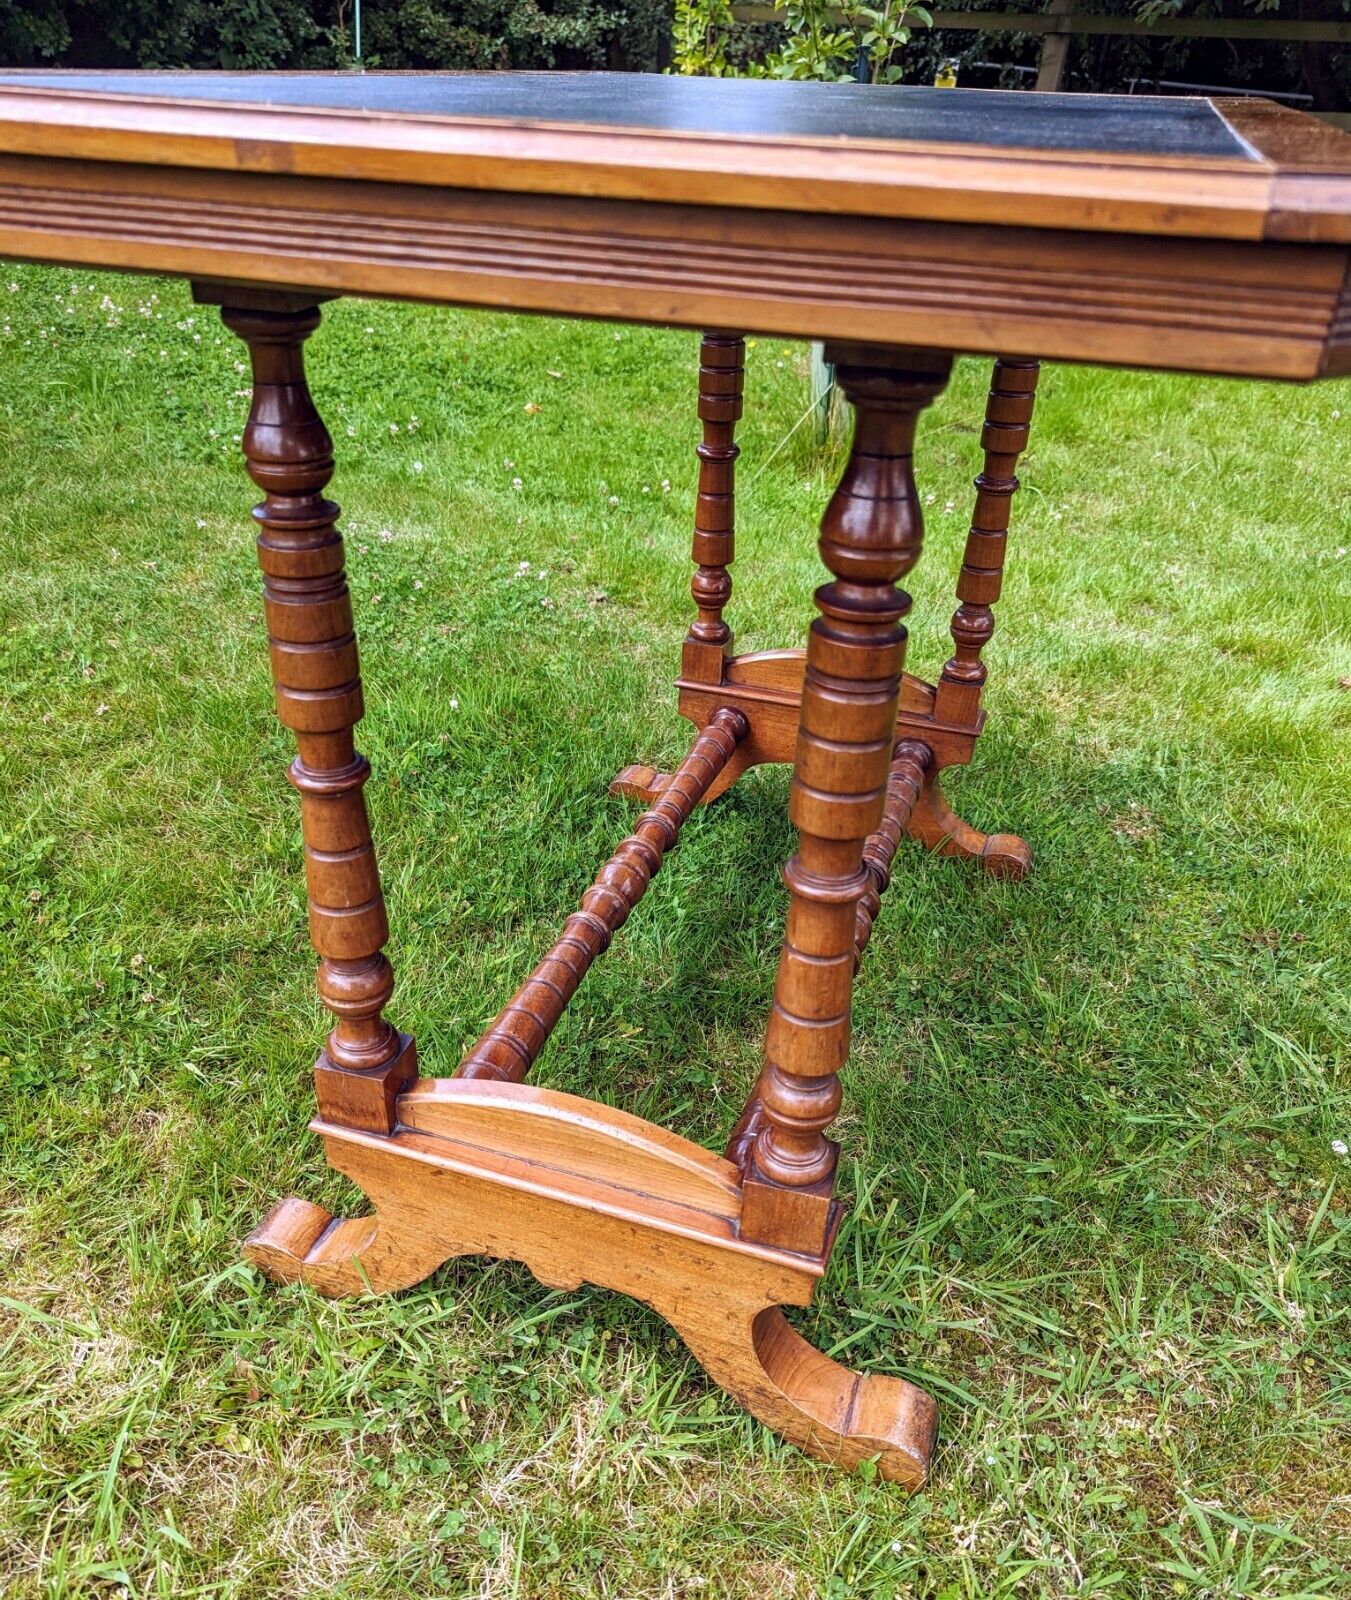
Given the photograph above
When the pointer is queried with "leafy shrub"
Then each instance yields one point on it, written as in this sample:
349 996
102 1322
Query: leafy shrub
242 35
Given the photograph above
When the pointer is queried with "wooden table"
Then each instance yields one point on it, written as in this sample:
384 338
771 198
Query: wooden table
898 225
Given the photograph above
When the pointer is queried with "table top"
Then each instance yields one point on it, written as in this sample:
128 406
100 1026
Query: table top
1210 235
1118 124
1204 167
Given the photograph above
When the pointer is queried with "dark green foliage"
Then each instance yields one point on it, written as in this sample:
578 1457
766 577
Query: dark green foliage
257 34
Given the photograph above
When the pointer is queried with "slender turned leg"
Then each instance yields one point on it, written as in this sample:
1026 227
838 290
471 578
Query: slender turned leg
1008 416
708 644
870 536
509 1048
722 375
318 689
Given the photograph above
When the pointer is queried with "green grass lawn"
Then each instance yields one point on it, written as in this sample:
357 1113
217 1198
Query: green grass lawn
1091 1121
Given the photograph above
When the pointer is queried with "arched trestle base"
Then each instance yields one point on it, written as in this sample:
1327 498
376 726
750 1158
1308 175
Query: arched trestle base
582 1193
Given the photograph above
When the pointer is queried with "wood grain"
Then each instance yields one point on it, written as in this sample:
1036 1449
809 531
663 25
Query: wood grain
313 650
1008 418
1262 310
583 1194
512 1043
722 373
871 536
1099 190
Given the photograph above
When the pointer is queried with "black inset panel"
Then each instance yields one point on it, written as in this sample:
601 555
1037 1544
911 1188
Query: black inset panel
1138 125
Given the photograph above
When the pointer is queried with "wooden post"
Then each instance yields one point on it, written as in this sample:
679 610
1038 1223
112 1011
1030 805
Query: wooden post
366 1062
1055 49
722 367
871 536
1008 419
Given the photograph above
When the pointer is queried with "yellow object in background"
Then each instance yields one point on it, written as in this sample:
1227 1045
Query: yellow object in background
946 76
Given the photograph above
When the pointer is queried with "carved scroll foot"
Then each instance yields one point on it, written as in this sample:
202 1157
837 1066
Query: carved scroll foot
837 1415
938 827
297 1242
643 784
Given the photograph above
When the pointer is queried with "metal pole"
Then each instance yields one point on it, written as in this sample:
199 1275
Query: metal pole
357 30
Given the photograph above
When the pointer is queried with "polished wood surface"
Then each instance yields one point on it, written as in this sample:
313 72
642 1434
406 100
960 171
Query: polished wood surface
313 650
871 536
611 138
509 1048
1239 260
581 1193
1254 309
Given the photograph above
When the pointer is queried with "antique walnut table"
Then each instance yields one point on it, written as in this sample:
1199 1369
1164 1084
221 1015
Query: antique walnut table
898 225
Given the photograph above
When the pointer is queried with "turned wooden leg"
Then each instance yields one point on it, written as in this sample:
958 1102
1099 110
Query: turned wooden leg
957 697
722 376
911 762
708 644
366 1062
870 536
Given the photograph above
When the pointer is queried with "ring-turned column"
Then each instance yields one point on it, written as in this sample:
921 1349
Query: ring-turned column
722 372
366 1062
1008 420
870 537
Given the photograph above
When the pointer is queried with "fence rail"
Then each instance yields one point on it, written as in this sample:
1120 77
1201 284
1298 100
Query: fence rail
1255 29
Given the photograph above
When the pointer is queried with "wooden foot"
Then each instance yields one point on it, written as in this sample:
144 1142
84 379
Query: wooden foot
297 1242
643 784
583 1193
938 827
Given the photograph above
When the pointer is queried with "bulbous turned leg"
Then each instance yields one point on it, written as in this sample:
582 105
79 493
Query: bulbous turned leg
937 827
871 535
313 650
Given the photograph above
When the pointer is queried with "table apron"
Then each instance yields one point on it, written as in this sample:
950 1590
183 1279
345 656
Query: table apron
1256 309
